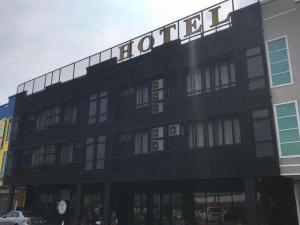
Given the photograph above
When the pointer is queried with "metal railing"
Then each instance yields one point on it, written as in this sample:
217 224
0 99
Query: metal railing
78 68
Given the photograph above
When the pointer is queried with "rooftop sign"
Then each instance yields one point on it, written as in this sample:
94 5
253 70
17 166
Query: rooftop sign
197 25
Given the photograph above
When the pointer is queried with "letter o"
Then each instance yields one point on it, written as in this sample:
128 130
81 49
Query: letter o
141 43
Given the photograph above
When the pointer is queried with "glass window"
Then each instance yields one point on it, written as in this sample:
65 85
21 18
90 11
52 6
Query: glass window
218 133
253 51
200 208
140 209
237 132
261 113
3 165
101 152
288 129
207 79
92 108
141 142
262 130
89 153
142 96
66 154
196 135
44 155
210 134
224 74
156 209
194 83
217 77
103 101
70 114
262 133
255 68
232 73
228 132
279 62
166 209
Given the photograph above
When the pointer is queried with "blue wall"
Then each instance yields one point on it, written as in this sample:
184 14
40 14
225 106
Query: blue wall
7 110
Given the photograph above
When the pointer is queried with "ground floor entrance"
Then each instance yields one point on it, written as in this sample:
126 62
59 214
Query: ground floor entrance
249 201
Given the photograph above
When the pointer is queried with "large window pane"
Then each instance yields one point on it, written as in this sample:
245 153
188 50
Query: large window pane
255 67
262 130
288 129
237 132
200 135
288 122
224 74
228 132
210 134
279 62
218 133
198 82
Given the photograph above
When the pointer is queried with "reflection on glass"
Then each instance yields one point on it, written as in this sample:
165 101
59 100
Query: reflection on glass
165 209
140 209
219 208
200 208
156 209
177 215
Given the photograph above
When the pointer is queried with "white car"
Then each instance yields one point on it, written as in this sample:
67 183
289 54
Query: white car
23 217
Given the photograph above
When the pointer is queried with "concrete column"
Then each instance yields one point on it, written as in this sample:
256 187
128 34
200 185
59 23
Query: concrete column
251 200
11 196
107 203
297 198
77 201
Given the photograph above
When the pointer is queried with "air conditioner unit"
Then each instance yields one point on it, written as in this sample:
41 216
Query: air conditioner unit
157 132
157 84
157 95
174 130
157 107
157 145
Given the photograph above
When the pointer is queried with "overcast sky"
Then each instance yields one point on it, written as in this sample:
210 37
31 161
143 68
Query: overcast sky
38 36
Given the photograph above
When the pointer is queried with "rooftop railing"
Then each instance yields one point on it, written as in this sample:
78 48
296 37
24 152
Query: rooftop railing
154 38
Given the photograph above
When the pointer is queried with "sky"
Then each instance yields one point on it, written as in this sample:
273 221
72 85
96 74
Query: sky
38 36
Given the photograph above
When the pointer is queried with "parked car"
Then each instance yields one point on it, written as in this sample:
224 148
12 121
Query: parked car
24 217
211 214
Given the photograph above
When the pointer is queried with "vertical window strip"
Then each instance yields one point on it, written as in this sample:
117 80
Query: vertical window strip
142 97
89 154
141 142
101 148
279 62
103 104
288 129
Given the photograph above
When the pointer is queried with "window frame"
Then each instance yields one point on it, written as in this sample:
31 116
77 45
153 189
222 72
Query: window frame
97 98
289 61
139 150
100 140
66 153
139 92
277 127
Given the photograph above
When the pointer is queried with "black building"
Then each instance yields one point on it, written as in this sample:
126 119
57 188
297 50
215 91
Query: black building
181 135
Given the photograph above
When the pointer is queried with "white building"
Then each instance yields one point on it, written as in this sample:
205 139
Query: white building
281 24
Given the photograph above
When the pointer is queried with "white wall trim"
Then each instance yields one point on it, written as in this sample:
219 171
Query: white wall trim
279 14
289 165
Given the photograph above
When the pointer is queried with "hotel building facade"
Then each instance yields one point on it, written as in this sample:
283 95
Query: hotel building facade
183 133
